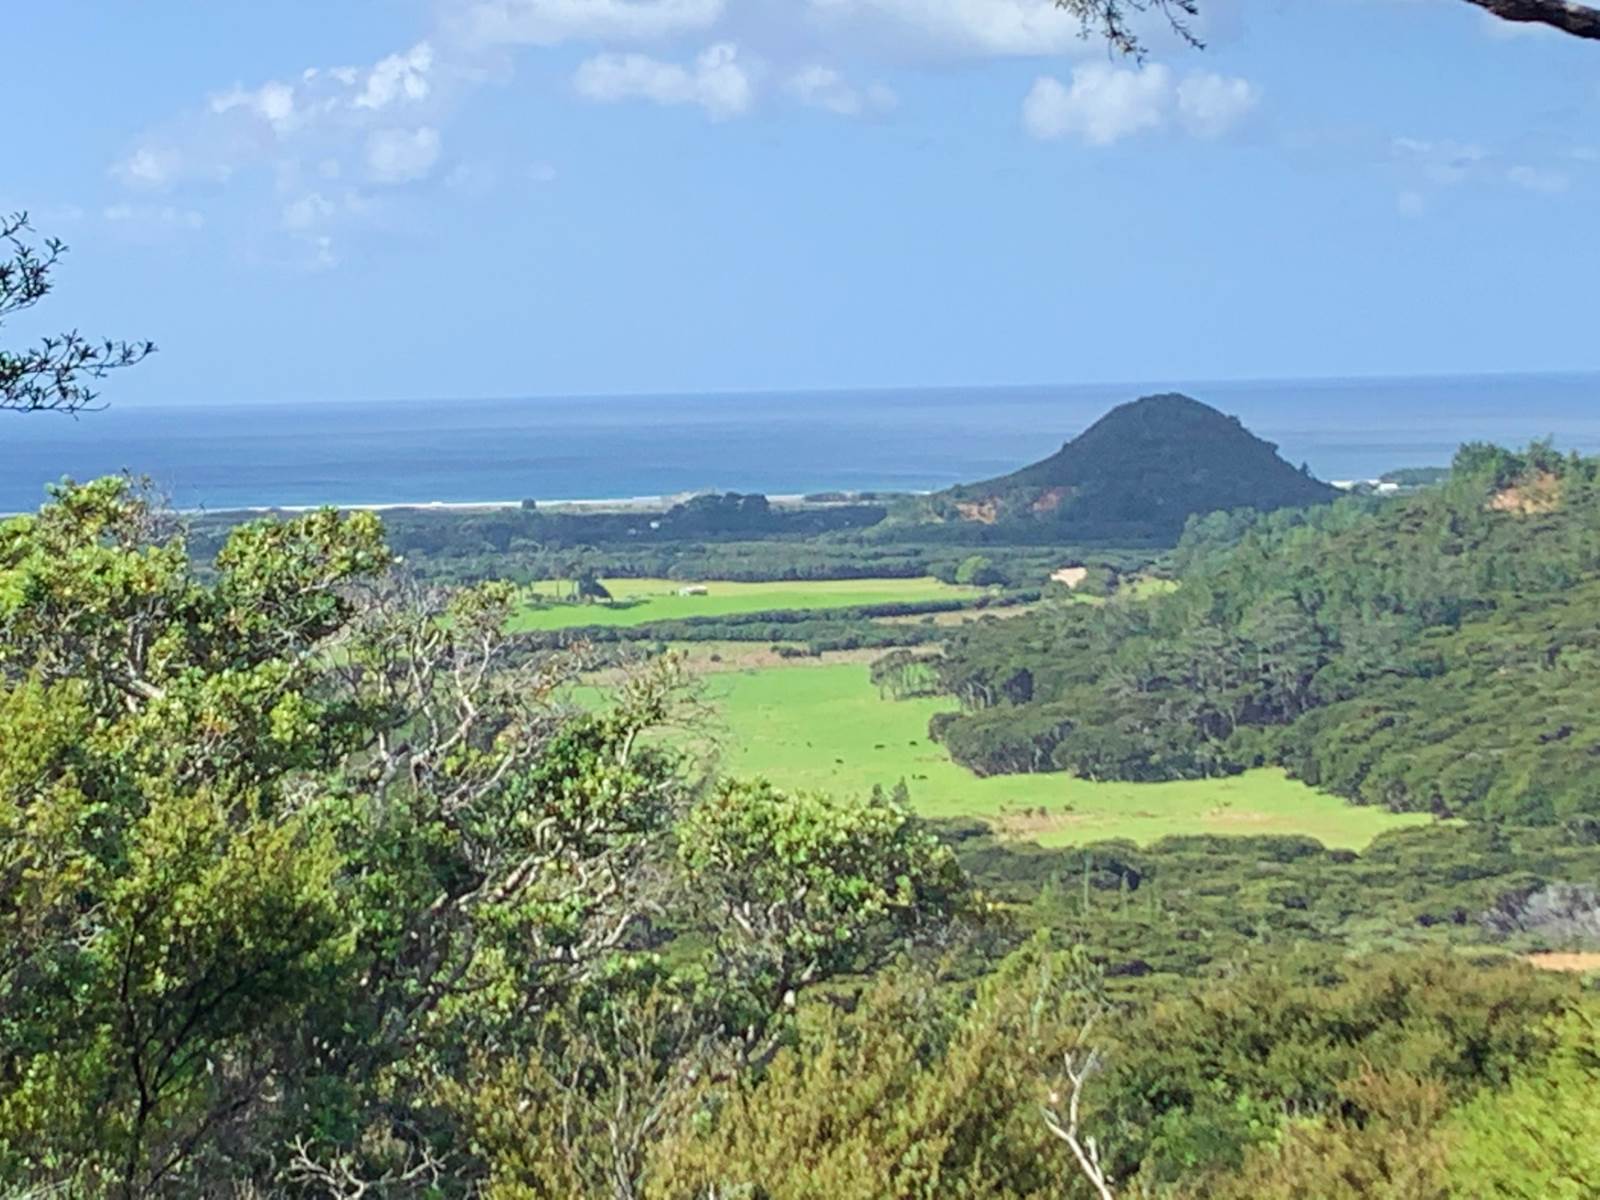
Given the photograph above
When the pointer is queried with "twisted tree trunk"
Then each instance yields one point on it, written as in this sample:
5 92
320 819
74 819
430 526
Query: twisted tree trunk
1580 20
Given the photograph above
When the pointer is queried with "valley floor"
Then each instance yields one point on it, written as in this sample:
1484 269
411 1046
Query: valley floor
825 727
640 601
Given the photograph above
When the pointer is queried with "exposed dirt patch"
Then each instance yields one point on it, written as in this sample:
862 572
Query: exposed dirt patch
1541 493
1227 816
985 512
959 616
1071 576
1576 962
714 658
1050 500
1031 822
755 657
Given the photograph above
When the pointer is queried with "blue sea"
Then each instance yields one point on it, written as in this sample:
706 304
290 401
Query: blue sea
229 456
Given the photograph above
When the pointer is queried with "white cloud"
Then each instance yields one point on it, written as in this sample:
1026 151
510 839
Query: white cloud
402 155
825 88
901 28
149 167
1209 105
1104 103
308 211
1411 203
999 28
400 76
311 150
542 173
1443 162
715 82
272 102
551 22
1538 179
313 120
1447 163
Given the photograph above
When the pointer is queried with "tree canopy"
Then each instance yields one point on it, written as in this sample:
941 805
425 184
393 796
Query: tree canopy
1430 653
303 866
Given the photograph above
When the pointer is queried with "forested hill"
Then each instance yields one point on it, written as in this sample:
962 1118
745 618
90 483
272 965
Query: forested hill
1439 652
1140 472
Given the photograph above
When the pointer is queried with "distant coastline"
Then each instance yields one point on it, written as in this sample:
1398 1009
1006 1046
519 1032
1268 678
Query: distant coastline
624 504
588 453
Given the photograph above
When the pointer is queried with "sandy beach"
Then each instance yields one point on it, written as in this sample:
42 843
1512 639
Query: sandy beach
614 504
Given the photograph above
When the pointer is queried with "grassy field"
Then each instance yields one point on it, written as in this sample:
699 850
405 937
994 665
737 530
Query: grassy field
638 601
826 728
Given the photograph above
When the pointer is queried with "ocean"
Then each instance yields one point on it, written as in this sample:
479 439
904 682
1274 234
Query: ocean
228 456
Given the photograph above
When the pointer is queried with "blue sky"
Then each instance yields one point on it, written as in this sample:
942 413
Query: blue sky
350 199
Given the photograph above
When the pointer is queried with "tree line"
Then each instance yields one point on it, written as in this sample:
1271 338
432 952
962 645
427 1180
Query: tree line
1429 653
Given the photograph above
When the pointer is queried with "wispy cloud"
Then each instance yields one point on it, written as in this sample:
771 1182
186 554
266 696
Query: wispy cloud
493 23
1446 163
960 28
716 81
402 155
1539 179
1104 103
827 89
1440 162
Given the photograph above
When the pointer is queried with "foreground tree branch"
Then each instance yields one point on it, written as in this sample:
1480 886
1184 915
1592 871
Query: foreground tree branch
1114 20
57 374
1580 20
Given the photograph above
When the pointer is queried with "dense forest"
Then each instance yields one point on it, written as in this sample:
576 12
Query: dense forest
315 885
730 536
1135 476
1435 653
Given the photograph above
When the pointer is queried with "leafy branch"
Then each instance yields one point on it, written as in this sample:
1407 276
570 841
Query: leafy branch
56 375
1114 21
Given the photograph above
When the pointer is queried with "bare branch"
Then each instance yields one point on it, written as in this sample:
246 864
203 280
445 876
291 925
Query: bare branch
340 1177
1084 1149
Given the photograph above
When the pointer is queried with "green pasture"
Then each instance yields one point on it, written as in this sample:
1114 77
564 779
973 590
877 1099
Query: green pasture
827 728
639 601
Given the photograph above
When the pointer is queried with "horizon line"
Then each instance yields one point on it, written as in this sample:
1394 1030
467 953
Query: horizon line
882 389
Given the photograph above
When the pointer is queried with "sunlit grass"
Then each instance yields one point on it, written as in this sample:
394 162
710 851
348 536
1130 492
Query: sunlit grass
827 728
640 601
